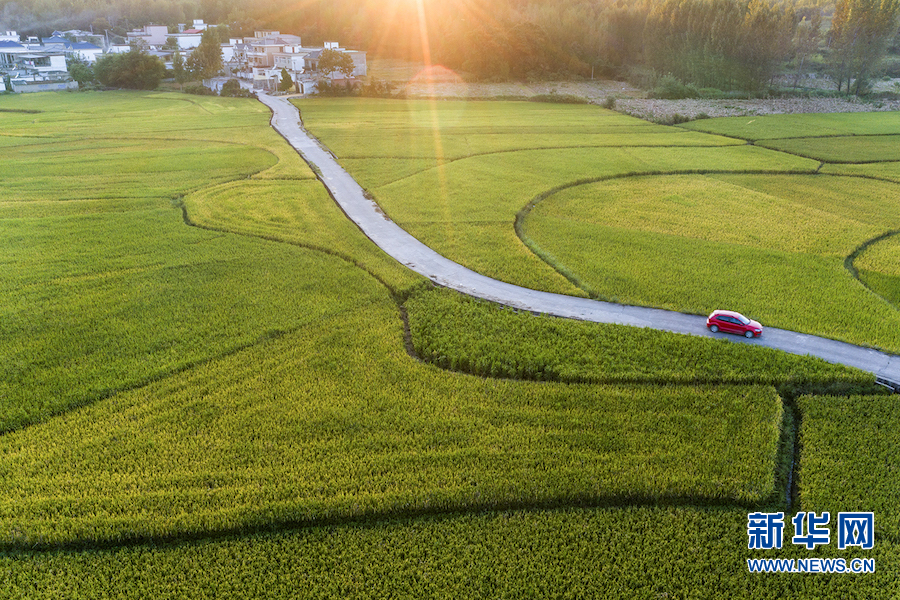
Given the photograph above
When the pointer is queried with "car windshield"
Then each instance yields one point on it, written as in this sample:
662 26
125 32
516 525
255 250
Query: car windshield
744 320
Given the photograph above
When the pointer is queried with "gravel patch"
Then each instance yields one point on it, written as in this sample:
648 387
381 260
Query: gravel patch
630 100
666 110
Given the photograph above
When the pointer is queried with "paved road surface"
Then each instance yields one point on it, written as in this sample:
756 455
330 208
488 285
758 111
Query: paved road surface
422 259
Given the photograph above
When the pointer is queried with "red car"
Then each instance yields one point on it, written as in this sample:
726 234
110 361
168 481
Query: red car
732 322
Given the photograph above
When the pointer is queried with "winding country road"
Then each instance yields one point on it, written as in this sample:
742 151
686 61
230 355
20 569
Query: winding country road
423 260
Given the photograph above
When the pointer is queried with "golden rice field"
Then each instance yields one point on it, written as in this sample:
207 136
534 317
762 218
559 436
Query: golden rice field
638 213
213 385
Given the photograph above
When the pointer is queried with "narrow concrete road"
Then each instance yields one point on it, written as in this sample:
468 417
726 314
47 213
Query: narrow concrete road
422 259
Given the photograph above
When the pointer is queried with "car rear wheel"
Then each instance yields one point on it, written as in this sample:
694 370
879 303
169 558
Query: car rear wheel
714 328
748 334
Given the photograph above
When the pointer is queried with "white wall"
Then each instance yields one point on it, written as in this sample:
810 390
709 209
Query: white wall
187 40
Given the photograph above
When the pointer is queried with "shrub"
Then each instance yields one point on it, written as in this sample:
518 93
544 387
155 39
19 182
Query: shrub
327 87
892 69
199 90
134 70
670 88
376 88
232 89
555 98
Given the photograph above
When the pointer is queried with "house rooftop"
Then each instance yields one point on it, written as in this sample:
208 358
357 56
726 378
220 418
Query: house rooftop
82 46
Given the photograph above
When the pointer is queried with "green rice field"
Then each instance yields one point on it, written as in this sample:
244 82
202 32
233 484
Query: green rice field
638 213
213 385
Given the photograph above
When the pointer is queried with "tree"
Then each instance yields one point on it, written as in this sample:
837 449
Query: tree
205 61
809 34
232 88
861 31
179 69
334 60
286 82
80 71
724 44
134 69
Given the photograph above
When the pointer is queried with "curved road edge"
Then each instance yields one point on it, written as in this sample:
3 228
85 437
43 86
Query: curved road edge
409 251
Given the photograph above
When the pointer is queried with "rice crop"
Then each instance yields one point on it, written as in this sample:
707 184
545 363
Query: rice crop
455 174
617 553
461 333
100 303
297 212
849 460
879 268
800 126
238 414
842 149
888 171
335 421
757 244
104 286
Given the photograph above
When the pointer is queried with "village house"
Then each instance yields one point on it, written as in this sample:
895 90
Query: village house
35 67
262 58
149 36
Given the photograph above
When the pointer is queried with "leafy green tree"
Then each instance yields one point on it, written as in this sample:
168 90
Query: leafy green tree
333 60
286 83
861 31
232 88
205 62
806 43
134 69
724 44
80 71
179 69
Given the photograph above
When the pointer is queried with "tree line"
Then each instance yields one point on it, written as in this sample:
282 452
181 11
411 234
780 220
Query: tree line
727 44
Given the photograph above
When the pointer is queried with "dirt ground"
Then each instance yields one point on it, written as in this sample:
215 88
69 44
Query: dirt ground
443 83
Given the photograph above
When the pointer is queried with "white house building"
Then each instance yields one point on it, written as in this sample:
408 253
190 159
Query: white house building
150 35
40 72
9 51
263 57
84 50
